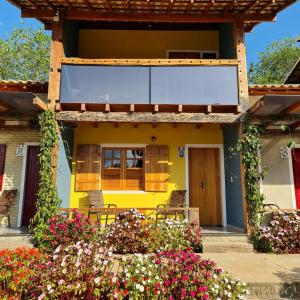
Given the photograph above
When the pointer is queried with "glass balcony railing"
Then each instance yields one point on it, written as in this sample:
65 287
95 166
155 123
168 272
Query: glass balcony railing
190 85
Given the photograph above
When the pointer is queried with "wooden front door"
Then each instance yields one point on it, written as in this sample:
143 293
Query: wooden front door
31 184
296 171
204 184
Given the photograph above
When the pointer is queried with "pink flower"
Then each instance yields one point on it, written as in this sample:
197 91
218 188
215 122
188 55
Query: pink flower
202 289
167 282
184 278
193 294
183 293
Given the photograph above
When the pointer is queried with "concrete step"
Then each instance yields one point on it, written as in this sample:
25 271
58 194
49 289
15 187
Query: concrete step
15 241
227 247
242 238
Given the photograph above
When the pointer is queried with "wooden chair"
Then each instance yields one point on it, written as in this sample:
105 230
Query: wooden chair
95 199
177 200
6 201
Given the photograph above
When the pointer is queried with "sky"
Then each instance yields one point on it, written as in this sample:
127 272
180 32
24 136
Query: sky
286 24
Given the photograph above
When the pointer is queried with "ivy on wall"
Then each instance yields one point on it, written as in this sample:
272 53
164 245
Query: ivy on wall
47 199
249 147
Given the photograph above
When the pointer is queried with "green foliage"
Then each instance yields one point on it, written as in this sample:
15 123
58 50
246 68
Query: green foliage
275 62
47 198
249 146
24 55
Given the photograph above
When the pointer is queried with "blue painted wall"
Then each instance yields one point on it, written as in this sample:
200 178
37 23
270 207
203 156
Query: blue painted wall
233 182
64 165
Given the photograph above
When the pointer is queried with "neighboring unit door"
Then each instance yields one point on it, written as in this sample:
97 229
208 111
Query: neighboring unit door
31 183
296 171
205 184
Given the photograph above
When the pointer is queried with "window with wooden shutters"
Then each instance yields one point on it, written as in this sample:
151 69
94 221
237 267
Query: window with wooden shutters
157 168
123 169
2 163
88 168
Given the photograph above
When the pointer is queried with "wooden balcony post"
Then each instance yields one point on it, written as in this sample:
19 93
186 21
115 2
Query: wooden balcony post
239 38
56 56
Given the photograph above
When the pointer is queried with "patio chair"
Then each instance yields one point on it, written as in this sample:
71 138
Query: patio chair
267 208
177 200
6 201
95 199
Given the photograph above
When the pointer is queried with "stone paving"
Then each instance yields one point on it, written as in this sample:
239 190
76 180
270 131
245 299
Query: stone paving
268 276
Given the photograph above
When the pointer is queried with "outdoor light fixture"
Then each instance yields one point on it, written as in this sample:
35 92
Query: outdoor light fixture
181 151
56 17
153 138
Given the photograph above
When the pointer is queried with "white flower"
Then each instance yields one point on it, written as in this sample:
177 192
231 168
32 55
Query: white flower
97 280
61 282
49 287
114 279
64 271
42 296
229 295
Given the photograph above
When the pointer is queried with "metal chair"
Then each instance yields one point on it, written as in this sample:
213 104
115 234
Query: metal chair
95 199
6 201
267 208
177 200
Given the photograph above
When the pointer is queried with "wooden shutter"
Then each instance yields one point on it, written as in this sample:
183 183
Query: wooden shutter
2 162
88 168
157 168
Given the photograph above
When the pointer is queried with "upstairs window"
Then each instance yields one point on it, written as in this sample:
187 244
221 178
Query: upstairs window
186 54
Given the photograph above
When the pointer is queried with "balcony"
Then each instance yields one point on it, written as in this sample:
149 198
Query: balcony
163 82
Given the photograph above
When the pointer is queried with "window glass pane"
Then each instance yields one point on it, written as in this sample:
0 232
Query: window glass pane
117 153
130 164
107 164
134 153
139 163
116 163
108 153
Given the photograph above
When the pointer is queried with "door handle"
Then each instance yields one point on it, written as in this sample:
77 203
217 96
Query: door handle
202 185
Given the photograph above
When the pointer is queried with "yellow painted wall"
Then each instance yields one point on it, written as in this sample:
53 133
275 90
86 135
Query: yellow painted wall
165 134
142 43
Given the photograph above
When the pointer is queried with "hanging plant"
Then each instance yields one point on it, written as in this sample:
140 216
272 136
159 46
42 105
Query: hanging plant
249 146
47 202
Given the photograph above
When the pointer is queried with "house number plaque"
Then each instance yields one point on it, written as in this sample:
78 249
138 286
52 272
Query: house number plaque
20 150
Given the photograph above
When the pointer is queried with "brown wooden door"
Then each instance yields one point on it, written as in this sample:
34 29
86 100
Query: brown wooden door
31 183
204 184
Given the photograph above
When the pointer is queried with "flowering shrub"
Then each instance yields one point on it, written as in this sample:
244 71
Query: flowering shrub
175 275
77 271
282 234
128 234
64 230
17 269
173 234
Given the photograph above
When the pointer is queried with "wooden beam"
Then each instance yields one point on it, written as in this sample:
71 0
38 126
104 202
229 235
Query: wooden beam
230 6
56 55
292 109
82 107
39 103
124 117
250 6
139 17
58 107
107 108
295 125
256 106
131 108
150 62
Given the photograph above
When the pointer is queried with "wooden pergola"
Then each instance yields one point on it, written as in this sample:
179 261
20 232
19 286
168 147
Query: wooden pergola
275 105
21 101
251 12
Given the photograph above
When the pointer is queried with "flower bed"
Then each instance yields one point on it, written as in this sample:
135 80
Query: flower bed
130 234
85 271
281 234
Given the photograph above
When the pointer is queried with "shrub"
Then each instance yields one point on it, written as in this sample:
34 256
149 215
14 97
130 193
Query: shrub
175 275
64 230
282 234
77 271
128 234
173 234
17 270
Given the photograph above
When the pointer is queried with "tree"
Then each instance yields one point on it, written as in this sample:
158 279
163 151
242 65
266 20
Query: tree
275 62
24 55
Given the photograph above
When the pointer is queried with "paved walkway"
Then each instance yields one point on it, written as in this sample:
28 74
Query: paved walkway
268 276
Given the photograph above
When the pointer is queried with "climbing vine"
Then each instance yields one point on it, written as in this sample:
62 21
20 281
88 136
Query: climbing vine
249 147
47 198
